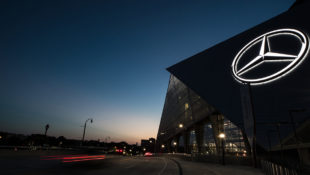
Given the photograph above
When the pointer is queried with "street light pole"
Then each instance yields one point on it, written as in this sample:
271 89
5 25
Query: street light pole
223 152
222 136
175 145
46 128
91 121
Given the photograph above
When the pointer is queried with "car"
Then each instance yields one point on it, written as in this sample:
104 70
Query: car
148 154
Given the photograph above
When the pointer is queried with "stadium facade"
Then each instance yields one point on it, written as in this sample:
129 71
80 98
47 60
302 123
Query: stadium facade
254 88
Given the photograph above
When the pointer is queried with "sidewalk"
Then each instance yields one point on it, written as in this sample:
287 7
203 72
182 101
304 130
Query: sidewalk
202 168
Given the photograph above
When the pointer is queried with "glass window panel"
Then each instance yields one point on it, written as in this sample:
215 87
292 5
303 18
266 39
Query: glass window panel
208 141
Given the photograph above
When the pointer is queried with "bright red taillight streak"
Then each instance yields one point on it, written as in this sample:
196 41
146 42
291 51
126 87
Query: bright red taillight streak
78 160
65 155
84 157
57 157
148 154
74 158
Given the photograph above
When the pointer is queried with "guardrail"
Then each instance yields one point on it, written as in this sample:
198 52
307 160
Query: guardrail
271 168
231 160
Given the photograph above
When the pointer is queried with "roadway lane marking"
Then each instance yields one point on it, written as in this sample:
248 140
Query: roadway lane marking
133 164
130 166
165 166
144 160
178 165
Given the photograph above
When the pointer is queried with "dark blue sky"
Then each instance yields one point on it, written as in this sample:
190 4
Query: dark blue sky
62 62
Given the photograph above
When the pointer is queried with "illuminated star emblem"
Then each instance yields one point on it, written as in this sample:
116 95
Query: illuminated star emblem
267 55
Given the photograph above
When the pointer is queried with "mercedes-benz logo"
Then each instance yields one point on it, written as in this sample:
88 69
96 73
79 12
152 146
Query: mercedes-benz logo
265 54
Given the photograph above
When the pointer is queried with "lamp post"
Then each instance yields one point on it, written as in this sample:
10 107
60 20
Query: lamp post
180 125
46 128
91 121
222 137
175 146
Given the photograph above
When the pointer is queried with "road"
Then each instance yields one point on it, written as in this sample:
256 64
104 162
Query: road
110 165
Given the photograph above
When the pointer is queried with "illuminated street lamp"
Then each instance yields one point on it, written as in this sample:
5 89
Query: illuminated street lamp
144 149
162 146
222 137
180 125
174 143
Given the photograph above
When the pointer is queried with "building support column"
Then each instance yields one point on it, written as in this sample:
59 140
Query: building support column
169 145
246 141
218 126
185 135
177 146
199 132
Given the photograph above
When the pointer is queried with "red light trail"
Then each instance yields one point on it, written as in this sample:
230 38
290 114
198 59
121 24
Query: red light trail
73 158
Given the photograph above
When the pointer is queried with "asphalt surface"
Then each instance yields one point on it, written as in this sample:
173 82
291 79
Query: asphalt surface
33 165
111 164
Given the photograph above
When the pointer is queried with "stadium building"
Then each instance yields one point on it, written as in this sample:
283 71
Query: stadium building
247 96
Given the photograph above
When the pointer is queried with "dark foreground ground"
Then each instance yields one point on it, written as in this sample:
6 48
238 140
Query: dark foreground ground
36 164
